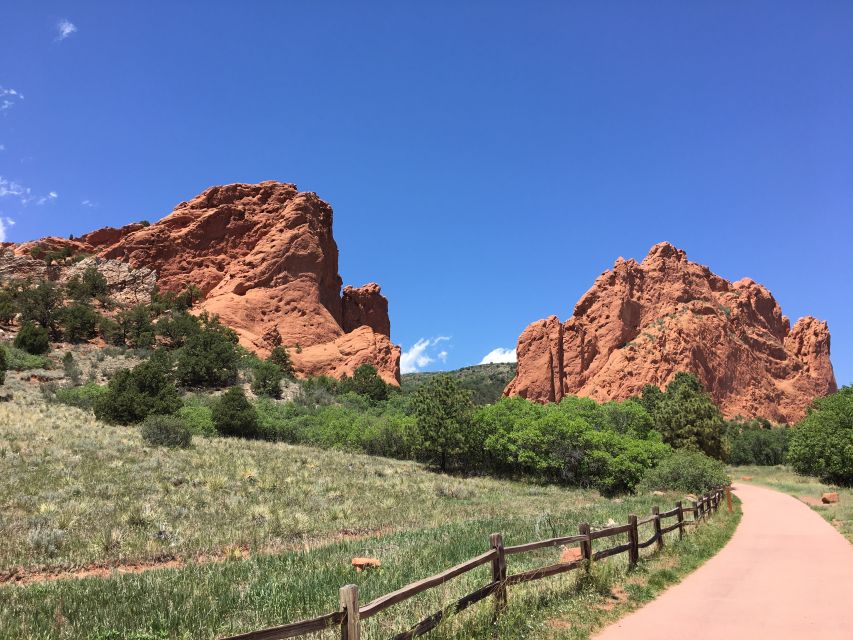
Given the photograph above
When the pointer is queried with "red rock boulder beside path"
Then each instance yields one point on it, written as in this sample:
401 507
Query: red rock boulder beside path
641 323
266 261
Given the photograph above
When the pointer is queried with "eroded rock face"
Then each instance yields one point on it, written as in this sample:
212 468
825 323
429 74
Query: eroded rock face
126 285
266 261
641 323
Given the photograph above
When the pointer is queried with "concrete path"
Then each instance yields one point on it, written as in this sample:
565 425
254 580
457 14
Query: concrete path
786 573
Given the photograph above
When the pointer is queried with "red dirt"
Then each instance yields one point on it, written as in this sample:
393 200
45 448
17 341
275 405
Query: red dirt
785 574
24 576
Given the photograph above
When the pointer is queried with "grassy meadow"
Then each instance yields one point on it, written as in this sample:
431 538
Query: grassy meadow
78 492
263 533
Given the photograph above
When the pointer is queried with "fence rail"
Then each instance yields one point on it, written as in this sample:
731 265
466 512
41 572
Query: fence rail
350 615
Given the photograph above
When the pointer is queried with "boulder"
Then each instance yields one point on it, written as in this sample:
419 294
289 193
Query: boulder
829 498
360 564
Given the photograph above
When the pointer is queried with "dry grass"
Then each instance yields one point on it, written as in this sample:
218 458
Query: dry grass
78 492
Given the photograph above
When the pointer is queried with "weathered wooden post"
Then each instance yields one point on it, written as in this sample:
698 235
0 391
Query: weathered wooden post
586 545
695 511
658 534
499 572
633 540
680 516
350 625
729 498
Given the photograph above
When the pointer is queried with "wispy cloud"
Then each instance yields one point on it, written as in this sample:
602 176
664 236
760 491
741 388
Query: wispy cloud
65 28
5 223
89 203
9 98
499 355
50 197
422 354
12 189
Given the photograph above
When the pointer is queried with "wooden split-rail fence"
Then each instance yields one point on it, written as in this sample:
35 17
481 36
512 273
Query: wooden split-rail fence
348 618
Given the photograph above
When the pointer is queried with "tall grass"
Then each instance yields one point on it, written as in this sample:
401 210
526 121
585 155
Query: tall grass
206 601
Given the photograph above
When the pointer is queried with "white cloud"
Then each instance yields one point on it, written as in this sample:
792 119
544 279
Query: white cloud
419 354
65 29
5 223
9 98
89 203
499 355
11 188
50 197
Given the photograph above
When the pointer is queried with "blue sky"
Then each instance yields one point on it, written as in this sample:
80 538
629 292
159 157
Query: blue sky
486 161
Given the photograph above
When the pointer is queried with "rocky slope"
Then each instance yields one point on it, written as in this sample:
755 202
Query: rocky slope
641 323
265 259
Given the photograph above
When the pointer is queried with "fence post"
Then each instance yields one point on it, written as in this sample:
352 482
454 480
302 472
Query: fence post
658 534
695 511
633 540
680 516
586 545
729 498
350 625
499 572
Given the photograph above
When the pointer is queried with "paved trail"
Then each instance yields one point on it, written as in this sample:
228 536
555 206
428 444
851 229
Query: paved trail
786 573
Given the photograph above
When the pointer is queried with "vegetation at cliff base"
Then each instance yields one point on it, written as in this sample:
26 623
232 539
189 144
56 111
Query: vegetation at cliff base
822 443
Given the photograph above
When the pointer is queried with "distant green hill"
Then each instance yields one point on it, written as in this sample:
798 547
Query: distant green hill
486 381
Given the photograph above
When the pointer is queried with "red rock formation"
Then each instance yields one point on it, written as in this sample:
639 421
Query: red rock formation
265 259
643 323
365 306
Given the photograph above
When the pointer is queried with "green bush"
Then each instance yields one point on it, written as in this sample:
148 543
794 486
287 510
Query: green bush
209 358
166 431
33 339
177 328
276 421
39 305
317 391
571 443
8 308
688 471
443 412
281 357
198 418
234 416
20 360
134 394
757 442
78 321
686 416
266 379
83 397
365 382
821 444
134 328
90 284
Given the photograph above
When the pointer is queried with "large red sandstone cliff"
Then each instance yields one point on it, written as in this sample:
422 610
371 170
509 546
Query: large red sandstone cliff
265 259
641 323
